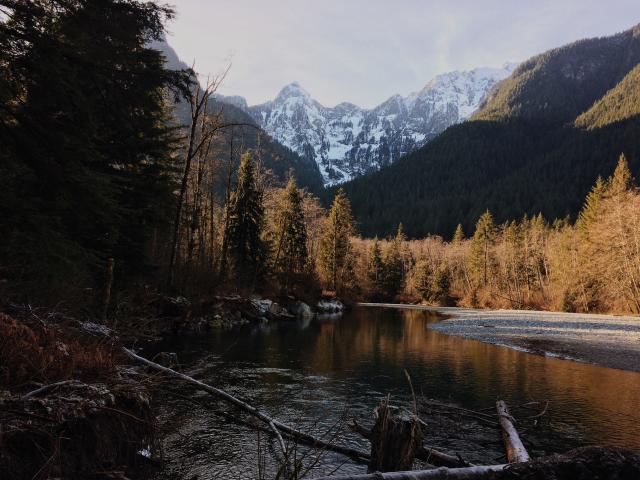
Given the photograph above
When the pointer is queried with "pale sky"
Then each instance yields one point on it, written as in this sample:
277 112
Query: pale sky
364 51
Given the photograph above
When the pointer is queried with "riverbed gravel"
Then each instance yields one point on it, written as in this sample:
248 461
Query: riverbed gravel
607 340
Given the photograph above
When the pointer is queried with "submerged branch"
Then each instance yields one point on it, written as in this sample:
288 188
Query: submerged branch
274 425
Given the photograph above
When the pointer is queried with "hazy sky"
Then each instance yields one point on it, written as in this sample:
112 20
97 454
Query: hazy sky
364 51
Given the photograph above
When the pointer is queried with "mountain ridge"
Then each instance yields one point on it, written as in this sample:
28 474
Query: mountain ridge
521 152
347 141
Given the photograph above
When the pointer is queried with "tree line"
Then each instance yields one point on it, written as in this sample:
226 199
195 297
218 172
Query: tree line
590 265
94 166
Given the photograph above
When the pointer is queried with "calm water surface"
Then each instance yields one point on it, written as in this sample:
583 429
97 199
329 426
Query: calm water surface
310 374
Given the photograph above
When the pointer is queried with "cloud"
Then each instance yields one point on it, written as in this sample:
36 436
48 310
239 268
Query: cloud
365 51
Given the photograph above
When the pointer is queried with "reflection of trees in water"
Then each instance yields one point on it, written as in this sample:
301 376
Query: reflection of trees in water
381 343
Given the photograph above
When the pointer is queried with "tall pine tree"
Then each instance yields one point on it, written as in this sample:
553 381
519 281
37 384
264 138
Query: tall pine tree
481 257
246 248
87 147
589 211
335 246
291 245
458 235
375 268
621 180
393 265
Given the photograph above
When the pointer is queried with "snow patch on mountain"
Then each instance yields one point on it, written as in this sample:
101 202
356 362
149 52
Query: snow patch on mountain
347 141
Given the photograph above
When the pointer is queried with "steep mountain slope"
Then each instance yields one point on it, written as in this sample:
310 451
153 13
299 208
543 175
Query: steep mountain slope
560 84
521 153
274 156
347 141
619 104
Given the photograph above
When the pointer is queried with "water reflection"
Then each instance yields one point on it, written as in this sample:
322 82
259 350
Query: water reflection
308 372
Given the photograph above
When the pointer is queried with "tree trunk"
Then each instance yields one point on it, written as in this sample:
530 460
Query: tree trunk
106 294
395 439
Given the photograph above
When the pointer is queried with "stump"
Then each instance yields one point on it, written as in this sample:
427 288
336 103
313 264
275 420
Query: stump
395 439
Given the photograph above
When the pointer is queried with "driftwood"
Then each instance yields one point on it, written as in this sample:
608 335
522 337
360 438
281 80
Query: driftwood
580 464
276 427
466 473
512 443
46 388
395 438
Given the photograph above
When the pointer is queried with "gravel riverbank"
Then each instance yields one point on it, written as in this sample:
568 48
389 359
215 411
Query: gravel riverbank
606 340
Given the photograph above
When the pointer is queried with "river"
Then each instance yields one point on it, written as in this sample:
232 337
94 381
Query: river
314 374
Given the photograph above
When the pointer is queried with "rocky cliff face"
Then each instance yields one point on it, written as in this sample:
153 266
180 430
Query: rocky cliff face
347 141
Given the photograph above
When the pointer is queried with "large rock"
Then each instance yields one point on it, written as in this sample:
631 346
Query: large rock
300 310
330 306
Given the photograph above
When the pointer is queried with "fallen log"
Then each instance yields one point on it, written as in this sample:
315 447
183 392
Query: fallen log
466 473
512 443
276 427
581 464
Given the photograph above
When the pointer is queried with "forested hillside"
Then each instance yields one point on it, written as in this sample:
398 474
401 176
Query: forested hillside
619 104
521 153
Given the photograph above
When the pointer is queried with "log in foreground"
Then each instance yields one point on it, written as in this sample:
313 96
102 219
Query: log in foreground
275 426
442 473
586 463
512 443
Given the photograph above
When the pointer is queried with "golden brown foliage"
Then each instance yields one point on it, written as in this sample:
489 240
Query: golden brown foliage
39 354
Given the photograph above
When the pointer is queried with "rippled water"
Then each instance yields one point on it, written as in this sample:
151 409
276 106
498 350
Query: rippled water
311 374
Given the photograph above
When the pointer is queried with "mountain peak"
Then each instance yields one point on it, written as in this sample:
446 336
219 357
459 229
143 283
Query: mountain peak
293 90
347 141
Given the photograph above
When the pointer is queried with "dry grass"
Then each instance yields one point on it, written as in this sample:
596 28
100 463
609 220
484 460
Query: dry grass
41 354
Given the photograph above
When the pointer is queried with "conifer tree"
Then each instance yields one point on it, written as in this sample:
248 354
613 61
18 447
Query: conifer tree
89 147
246 248
480 255
291 251
393 265
422 279
335 245
375 266
621 180
458 235
589 211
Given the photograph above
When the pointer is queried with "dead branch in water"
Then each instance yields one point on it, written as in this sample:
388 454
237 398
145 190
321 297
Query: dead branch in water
272 423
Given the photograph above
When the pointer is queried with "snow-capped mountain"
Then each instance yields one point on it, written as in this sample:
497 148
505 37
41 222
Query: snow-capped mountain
346 140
